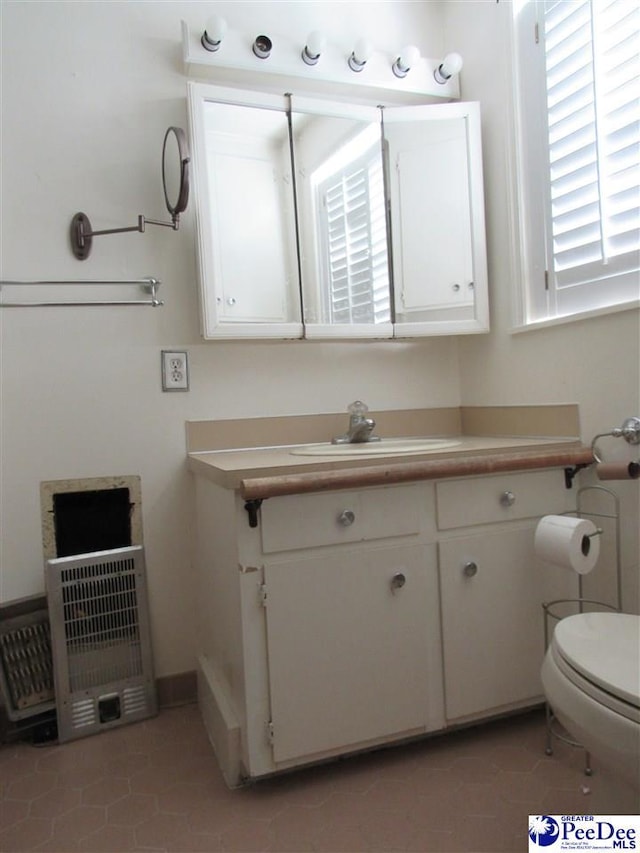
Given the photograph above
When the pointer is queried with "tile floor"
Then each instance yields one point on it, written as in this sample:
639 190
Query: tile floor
154 786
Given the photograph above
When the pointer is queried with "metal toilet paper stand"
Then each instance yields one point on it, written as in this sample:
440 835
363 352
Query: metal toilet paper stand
551 612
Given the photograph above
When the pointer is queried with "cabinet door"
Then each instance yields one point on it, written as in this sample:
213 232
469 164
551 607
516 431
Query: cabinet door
492 620
245 210
437 219
351 657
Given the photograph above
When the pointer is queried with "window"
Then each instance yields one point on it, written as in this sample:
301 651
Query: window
578 93
350 210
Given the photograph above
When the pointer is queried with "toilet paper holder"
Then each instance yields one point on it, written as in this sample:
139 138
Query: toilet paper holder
550 608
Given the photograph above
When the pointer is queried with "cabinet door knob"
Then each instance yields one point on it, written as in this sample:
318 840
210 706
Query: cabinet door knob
507 499
397 581
346 517
470 569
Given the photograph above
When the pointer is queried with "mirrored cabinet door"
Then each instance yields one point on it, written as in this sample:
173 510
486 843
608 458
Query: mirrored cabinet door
342 219
323 220
436 204
246 215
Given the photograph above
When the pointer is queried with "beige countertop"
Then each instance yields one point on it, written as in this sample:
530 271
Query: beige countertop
262 472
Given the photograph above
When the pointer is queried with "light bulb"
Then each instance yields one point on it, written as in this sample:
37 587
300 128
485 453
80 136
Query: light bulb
406 60
362 51
450 65
313 48
214 32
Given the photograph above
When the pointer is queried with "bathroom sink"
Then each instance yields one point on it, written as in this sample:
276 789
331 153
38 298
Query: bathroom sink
385 447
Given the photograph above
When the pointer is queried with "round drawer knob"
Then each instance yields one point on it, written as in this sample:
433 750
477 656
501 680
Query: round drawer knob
470 569
346 517
507 499
397 581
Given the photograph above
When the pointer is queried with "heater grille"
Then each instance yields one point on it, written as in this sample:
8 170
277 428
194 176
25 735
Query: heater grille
26 671
100 640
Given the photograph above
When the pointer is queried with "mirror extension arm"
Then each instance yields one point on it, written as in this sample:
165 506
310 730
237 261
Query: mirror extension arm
80 232
82 236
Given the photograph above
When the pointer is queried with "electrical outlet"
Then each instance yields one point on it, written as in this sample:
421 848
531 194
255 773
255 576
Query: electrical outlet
175 371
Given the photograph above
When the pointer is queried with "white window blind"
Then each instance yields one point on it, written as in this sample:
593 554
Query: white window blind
586 139
592 62
353 226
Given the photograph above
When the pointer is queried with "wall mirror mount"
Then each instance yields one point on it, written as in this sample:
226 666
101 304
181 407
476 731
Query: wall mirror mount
175 181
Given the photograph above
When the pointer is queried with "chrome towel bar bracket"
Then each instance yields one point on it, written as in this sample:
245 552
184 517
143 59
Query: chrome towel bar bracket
630 431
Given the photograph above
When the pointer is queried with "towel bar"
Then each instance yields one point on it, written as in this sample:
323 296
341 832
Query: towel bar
150 285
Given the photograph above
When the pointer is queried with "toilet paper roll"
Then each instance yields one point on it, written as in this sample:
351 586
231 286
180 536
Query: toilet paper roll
618 470
567 541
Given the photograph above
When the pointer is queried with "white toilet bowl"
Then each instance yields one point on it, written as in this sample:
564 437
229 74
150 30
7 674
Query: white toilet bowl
591 679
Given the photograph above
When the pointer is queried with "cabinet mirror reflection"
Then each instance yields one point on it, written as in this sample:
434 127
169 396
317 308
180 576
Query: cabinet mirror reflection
342 220
327 220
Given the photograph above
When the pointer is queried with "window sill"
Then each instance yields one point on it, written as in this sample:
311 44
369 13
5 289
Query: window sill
572 318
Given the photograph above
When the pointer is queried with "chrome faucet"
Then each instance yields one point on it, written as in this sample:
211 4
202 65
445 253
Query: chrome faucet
360 426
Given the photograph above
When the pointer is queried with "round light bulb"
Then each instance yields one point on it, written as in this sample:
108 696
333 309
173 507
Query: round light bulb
360 54
313 48
315 43
409 56
406 60
362 50
451 64
214 31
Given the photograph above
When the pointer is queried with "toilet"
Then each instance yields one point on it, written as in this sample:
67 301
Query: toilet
591 679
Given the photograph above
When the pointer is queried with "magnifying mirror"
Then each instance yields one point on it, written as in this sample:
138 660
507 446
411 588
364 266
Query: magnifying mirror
175 171
175 181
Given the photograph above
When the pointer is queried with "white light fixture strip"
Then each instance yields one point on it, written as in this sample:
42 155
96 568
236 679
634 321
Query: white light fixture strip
333 64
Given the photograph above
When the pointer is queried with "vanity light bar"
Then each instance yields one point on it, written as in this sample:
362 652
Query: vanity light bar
314 61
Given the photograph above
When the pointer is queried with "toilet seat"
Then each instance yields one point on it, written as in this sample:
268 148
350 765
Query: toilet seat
600 654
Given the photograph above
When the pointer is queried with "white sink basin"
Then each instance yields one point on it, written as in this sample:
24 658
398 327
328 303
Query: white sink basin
385 447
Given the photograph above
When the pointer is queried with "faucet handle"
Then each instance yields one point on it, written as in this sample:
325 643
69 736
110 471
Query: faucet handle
357 408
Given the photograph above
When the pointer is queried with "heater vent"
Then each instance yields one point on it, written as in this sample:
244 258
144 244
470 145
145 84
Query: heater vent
100 640
82 713
26 669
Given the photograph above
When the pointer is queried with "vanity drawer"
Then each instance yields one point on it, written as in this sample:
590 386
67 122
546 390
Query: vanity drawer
307 521
504 497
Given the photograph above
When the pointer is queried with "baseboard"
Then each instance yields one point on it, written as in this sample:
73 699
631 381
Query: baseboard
180 689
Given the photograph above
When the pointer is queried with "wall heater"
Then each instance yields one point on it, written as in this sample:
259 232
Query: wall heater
100 640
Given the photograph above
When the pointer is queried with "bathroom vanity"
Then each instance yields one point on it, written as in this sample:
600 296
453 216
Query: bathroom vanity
351 603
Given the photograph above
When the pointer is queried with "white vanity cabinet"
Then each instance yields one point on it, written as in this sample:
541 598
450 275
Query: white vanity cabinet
319 629
492 587
347 619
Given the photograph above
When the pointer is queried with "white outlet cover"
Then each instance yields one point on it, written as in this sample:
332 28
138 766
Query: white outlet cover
175 370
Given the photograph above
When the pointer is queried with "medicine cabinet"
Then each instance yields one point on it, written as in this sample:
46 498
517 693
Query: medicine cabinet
327 220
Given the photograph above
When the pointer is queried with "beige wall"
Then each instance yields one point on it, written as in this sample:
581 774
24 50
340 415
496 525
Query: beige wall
593 362
88 90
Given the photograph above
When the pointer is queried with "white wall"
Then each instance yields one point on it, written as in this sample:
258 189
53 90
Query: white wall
88 90
593 362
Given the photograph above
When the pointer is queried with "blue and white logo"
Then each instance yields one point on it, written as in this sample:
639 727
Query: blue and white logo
543 830
583 832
